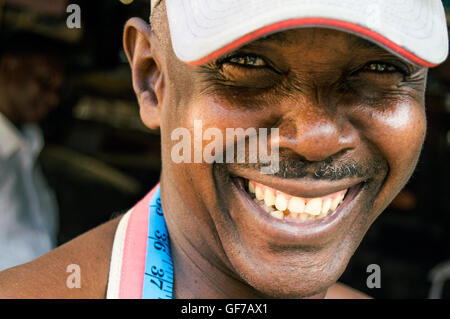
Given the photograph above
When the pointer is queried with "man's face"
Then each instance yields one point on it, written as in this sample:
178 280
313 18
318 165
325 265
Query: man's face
31 85
350 117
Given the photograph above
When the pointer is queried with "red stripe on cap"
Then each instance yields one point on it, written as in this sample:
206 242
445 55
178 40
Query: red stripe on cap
355 28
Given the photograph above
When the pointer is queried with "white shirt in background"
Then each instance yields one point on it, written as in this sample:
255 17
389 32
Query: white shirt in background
28 209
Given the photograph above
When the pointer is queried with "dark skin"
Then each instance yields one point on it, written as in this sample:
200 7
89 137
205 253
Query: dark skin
29 86
334 98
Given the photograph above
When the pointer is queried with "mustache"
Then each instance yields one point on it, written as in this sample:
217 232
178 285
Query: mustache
328 169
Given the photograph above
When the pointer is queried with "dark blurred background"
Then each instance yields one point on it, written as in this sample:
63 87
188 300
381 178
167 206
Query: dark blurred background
100 159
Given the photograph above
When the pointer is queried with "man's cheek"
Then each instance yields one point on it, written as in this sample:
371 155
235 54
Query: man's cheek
401 135
398 134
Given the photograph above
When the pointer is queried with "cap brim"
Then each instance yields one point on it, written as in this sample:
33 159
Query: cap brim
203 30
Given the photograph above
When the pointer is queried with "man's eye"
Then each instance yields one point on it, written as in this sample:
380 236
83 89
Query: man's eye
247 60
381 67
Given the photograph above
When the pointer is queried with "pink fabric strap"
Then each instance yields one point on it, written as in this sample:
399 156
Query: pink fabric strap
134 250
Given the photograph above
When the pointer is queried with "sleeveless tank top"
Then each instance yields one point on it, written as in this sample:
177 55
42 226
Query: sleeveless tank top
128 258
129 254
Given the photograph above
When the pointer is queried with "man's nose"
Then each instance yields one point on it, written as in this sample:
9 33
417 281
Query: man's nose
317 133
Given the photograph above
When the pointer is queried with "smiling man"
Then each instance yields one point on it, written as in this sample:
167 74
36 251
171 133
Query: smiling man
343 82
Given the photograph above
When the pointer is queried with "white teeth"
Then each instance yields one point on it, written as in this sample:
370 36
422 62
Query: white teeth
259 192
277 214
268 209
276 203
326 206
314 206
296 205
335 202
281 202
269 197
251 187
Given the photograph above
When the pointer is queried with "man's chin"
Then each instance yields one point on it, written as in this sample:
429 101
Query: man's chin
283 259
297 279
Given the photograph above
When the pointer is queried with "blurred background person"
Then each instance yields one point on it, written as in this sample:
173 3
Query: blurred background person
30 81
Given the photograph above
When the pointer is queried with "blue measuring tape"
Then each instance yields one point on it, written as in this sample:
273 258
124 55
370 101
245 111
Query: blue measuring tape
158 279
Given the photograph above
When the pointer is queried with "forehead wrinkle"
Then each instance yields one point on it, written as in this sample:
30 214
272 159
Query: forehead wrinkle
289 37
280 38
361 43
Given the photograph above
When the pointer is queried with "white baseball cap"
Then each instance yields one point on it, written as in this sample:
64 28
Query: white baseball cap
203 30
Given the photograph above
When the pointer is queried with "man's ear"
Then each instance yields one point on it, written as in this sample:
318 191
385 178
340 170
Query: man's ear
140 46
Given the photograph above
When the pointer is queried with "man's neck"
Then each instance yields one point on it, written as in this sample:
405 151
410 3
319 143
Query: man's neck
197 277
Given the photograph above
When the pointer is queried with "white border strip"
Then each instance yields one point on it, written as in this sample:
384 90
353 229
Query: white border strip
115 268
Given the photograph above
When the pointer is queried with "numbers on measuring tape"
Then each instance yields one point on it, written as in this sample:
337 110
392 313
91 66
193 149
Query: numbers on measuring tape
159 285
157 271
159 246
159 267
160 241
158 277
160 236
158 207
